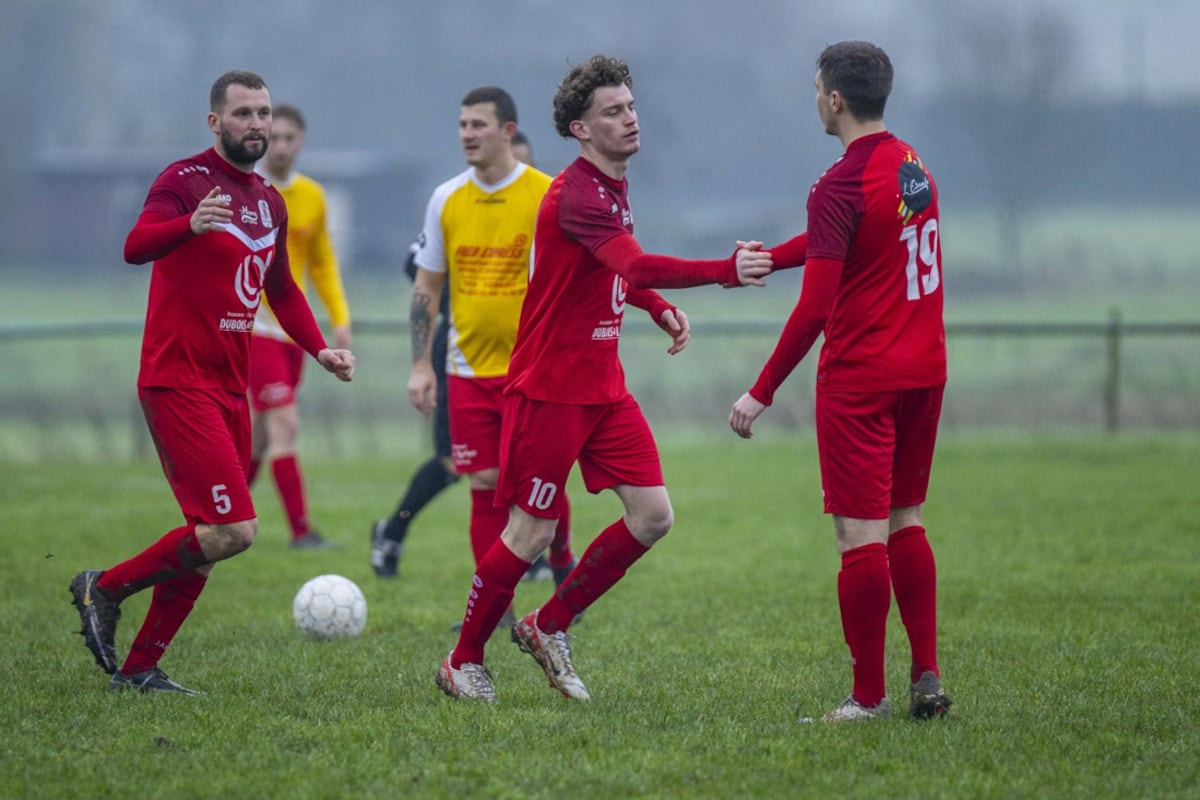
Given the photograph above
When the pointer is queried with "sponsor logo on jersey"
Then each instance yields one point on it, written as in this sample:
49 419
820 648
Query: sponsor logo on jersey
619 290
248 216
248 279
916 189
237 325
515 249
193 169
264 212
225 198
603 332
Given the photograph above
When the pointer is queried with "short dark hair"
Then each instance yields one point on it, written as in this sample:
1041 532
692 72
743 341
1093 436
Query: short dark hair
285 111
861 73
578 89
241 77
506 108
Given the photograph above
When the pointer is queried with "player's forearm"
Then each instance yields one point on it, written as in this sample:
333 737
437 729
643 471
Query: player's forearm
791 253
642 270
153 236
292 310
807 320
649 300
420 326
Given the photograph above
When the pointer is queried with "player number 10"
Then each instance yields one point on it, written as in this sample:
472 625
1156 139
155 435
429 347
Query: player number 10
543 494
923 245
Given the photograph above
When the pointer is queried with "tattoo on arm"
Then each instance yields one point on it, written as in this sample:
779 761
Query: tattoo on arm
420 323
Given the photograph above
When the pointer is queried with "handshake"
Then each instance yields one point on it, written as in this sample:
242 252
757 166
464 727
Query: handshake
752 263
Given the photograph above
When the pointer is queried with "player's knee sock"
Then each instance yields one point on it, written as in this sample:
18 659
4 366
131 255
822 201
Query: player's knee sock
252 470
487 521
178 551
290 483
560 548
429 479
492 589
603 564
172 602
914 580
864 596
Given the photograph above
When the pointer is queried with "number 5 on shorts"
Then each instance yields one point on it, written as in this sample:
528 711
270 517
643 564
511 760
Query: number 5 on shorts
221 500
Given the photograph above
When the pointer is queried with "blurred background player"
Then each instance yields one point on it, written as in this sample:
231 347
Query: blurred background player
276 362
438 472
872 284
566 399
475 246
216 232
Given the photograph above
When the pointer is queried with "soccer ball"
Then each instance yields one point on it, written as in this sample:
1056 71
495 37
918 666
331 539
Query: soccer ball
329 607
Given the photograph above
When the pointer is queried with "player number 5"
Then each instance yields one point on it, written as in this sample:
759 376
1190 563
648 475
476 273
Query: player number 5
923 245
220 499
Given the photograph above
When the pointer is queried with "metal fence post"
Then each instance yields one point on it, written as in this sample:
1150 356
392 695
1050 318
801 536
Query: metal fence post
1112 379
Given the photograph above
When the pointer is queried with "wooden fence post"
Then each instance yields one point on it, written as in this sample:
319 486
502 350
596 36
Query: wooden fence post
1112 379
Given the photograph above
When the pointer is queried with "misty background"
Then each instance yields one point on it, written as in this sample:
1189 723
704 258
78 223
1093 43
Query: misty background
1061 134
1016 107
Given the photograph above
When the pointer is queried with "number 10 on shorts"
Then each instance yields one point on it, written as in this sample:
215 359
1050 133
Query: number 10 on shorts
543 494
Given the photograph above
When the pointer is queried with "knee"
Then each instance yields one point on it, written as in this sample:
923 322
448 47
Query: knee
238 536
652 524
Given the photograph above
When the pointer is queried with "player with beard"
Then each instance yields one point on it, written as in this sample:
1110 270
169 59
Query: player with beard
217 233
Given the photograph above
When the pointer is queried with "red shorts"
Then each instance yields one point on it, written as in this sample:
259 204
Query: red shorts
540 441
476 411
203 442
275 369
876 449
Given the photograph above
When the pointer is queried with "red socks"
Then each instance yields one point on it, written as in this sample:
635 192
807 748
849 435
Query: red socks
914 579
290 483
864 596
178 551
172 602
487 522
492 589
603 564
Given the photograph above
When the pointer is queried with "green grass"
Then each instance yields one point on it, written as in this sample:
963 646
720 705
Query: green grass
1069 605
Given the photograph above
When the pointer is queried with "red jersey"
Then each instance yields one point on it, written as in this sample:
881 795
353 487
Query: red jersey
566 346
204 293
876 210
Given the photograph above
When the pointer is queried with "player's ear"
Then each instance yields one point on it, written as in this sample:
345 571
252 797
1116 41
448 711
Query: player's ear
579 130
214 122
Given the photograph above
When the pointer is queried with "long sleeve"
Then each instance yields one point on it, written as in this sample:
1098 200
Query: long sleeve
791 253
154 235
818 292
624 256
292 310
326 277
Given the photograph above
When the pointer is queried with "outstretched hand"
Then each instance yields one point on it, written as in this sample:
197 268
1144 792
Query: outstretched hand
743 414
675 323
753 263
340 362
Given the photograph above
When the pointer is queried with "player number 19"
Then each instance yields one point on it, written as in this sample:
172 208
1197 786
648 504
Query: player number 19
923 246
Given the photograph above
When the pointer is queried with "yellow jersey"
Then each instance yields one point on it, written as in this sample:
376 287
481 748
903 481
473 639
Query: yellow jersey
481 237
310 253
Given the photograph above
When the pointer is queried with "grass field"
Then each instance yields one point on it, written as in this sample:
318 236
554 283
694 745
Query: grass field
1069 602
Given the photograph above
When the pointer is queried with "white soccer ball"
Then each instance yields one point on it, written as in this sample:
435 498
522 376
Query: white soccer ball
329 607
